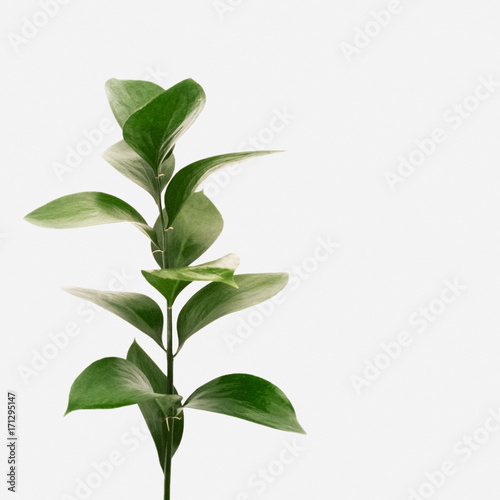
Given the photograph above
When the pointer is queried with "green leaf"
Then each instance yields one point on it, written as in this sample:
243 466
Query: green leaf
248 397
139 310
88 209
153 129
127 96
113 383
150 410
216 300
194 230
185 182
124 159
170 282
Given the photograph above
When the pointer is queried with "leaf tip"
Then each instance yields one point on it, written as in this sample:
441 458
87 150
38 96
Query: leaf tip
133 347
106 154
232 282
285 277
300 430
29 218
107 83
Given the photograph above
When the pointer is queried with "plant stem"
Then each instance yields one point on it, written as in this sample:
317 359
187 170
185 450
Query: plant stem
170 421
170 359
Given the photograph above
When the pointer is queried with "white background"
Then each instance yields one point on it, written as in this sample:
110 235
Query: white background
351 121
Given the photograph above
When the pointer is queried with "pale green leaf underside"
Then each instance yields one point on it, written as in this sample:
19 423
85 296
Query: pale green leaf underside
249 398
113 383
126 161
216 300
127 96
170 282
185 182
137 309
88 209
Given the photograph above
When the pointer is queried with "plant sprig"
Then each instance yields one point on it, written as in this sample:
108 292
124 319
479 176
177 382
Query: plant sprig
152 120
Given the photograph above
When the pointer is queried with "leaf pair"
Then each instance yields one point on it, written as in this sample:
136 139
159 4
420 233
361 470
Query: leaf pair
116 382
193 217
153 119
212 302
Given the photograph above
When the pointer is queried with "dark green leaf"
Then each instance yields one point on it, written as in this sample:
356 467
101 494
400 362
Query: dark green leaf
194 230
127 96
124 159
185 182
113 383
170 282
88 209
216 300
139 310
150 410
247 397
153 129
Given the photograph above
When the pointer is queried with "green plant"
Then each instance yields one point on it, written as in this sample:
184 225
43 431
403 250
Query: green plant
188 223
